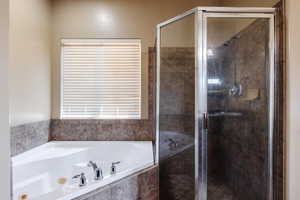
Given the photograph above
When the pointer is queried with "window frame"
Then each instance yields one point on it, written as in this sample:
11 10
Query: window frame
63 43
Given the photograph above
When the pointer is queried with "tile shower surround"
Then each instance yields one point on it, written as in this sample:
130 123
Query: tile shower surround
237 154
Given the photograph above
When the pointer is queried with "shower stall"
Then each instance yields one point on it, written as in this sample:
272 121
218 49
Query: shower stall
215 104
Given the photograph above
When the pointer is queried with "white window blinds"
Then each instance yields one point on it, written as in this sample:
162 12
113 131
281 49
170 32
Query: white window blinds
101 79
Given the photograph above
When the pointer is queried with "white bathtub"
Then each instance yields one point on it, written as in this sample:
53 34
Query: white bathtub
36 172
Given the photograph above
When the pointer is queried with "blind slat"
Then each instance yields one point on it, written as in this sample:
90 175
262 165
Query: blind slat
101 79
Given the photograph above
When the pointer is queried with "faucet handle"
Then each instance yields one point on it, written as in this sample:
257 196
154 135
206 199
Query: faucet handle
98 174
115 163
82 179
113 167
97 170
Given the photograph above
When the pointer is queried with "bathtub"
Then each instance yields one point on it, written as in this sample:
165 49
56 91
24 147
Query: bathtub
45 172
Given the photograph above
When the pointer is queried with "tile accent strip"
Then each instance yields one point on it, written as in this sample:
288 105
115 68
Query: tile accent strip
27 136
101 130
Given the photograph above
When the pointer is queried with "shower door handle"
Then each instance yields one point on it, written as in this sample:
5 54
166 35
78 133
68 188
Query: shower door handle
205 121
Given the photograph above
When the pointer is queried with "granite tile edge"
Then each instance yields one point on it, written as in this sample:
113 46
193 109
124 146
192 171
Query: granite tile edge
27 136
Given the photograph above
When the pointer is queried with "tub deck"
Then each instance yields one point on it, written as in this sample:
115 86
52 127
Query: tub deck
45 172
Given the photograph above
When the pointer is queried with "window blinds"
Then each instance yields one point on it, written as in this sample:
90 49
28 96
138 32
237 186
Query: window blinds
101 79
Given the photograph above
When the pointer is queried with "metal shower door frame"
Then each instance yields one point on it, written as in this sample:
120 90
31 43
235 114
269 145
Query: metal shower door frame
255 13
201 15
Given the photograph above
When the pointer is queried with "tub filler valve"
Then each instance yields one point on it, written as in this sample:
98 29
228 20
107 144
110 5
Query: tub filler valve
97 171
82 179
114 167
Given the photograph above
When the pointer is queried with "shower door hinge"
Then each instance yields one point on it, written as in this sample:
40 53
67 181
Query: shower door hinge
205 120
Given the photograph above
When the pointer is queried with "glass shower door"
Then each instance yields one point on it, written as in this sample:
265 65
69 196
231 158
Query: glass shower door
215 104
238 61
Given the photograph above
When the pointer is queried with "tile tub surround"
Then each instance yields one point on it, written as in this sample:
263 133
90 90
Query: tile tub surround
101 130
140 186
27 136
117 130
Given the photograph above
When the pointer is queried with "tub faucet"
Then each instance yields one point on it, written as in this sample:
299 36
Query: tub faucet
114 167
82 179
97 171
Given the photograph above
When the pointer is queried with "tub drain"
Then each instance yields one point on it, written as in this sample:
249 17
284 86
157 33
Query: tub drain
24 197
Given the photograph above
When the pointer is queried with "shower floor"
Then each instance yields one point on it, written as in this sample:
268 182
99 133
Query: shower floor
181 187
219 191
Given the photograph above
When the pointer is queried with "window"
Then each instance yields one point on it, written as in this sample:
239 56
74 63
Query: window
101 79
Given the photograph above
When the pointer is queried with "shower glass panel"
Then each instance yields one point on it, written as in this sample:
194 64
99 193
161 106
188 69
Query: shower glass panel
177 110
238 71
215 104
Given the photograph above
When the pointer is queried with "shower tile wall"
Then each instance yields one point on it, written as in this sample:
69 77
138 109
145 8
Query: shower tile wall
177 90
239 143
177 123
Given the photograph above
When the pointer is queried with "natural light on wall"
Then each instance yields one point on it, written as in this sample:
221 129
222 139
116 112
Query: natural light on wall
101 79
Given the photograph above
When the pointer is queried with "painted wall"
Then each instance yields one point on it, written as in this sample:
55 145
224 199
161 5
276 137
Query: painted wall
249 3
4 130
112 19
30 63
293 96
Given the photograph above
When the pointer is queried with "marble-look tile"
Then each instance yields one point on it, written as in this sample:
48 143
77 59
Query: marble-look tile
101 194
177 103
27 136
102 130
148 183
126 189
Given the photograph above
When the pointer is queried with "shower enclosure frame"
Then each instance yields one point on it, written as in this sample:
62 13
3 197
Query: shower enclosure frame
201 15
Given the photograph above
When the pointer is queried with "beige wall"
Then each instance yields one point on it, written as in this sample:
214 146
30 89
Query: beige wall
4 130
249 3
293 99
29 71
180 33
112 19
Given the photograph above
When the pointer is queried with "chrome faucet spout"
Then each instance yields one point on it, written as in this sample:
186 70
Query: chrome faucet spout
97 171
93 165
